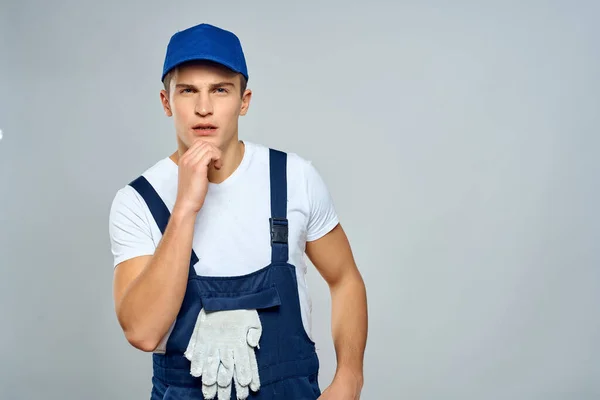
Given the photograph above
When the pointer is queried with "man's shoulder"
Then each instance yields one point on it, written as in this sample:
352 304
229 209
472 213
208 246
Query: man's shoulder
295 161
160 172
159 175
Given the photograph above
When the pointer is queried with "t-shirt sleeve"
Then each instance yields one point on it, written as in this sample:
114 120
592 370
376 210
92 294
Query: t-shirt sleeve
130 234
322 214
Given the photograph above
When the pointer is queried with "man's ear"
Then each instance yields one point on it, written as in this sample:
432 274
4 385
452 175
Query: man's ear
164 99
246 101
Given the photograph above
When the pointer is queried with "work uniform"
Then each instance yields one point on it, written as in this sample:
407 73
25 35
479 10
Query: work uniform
287 360
248 250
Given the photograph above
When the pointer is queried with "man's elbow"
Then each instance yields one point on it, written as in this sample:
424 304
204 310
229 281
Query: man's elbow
138 338
144 343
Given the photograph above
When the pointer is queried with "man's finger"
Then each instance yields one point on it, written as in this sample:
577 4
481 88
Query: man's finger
192 155
218 164
193 149
209 157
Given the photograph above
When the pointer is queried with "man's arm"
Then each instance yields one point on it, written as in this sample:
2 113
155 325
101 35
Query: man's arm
149 290
333 258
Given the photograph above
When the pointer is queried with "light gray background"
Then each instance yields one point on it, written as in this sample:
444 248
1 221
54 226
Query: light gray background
459 141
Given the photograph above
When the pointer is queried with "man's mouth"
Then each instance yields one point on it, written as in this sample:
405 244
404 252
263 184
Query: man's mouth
204 128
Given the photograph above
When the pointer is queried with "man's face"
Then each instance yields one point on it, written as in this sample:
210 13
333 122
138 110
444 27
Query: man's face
205 102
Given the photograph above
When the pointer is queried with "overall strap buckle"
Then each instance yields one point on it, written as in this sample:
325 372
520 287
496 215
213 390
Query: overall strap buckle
279 230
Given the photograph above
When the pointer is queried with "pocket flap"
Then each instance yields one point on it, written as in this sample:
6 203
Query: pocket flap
265 298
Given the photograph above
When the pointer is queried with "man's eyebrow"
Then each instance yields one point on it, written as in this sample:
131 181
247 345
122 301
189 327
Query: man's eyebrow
212 85
224 83
185 85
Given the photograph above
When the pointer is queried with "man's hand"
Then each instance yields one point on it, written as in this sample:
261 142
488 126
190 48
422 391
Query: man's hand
345 386
193 176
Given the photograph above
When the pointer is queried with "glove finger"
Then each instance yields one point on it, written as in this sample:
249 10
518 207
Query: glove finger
195 354
253 336
209 391
224 392
211 367
255 382
226 368
241 392
193 340
198 360
197 367
242 365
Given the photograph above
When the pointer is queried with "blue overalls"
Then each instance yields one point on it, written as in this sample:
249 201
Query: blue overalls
287 360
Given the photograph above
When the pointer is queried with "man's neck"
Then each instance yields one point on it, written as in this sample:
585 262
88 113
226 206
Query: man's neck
231 158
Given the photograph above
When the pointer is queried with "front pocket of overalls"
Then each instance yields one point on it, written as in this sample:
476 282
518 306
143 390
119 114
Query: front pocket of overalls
313 380
183 393
296 388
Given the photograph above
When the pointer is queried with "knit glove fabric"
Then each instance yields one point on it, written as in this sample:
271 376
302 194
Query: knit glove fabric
221 350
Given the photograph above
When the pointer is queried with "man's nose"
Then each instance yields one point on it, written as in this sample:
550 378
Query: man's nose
204 105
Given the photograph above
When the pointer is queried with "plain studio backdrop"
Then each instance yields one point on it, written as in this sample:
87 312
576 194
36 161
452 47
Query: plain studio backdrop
459 141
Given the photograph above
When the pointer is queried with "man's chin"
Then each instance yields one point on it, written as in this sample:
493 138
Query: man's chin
197 138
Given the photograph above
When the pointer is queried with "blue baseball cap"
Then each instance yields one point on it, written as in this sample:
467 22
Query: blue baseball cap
205 42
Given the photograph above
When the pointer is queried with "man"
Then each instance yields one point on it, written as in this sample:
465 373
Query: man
209 247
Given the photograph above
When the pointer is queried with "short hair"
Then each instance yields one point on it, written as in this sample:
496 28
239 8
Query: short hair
169 76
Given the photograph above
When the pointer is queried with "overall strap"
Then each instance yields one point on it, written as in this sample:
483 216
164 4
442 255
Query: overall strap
159 210
278 221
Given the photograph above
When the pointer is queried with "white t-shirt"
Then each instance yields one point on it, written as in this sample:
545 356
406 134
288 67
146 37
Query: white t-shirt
232 233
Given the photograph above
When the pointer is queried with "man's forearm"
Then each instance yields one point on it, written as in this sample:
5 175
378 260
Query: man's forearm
349 326
151 303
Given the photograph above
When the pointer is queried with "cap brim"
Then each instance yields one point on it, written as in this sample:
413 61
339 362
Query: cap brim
211 58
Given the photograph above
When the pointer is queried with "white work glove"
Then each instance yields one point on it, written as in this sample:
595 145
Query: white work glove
242 385
222 348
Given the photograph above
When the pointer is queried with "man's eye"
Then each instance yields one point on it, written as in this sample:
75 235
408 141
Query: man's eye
221 90
187 90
